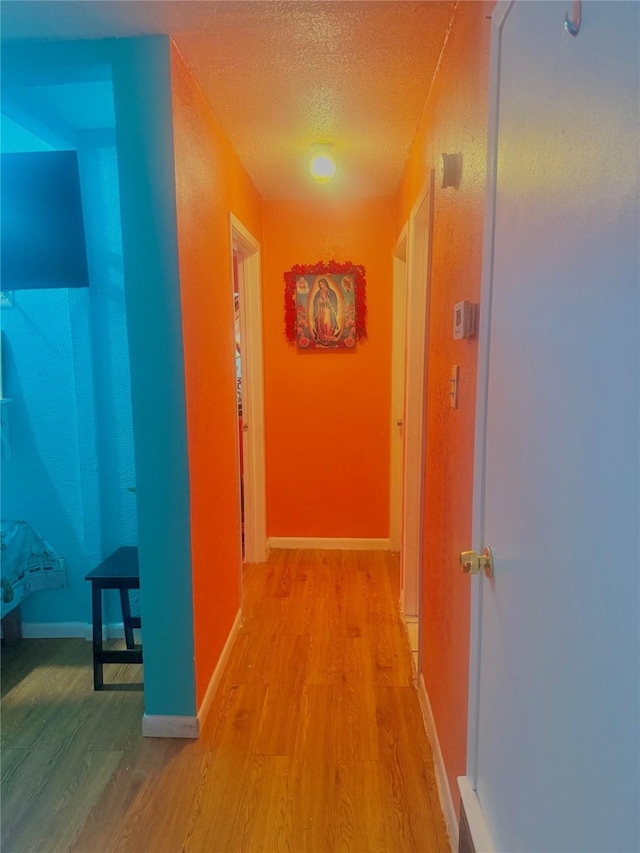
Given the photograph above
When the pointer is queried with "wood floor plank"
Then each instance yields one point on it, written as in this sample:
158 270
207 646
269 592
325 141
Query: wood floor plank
284 575
256 578
407 792
278 723
242 667
325 649
224 775
17 662
11 758
30 718
356 658
359 818
391 655
24 776
392 567
34 703
314 780
353 601
300 603
356 722
316 741
137 779
283 660
326 567
69 802
313 742
234 711
159 816
265 616
65 784
378 592
265 818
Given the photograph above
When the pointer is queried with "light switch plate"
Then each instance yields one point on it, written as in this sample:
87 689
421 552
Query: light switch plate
453 392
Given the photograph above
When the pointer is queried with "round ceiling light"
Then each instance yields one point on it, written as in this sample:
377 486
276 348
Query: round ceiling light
322 165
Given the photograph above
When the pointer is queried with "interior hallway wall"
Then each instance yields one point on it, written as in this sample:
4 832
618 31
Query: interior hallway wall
111 373
327 413
144 137
68 370
41 483
454 122
110 348
210 181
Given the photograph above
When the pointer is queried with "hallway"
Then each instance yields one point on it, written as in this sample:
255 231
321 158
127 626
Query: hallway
313 742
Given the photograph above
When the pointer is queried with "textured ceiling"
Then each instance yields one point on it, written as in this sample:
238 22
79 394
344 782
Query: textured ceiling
281 75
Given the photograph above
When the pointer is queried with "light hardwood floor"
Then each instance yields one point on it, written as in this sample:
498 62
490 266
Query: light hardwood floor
314 741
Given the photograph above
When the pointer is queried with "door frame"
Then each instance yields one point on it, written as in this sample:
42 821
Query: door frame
247 249
419 248
468 784
398 348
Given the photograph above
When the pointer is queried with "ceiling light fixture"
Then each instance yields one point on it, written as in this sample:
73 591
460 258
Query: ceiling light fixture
322 165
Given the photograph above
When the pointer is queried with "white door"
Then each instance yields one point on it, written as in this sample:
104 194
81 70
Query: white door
554 698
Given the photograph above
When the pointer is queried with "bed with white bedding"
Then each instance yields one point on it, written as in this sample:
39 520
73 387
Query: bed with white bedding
28 564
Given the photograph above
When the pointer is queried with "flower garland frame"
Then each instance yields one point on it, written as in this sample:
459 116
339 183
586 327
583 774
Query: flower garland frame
357 271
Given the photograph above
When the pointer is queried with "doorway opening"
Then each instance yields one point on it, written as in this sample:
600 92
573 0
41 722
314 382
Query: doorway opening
398 356
412 268
245 258
237 336
398 391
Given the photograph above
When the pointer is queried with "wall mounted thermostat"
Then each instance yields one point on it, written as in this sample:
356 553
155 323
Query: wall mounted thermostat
464 320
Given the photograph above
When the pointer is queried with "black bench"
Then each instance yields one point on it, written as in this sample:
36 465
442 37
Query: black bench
118 571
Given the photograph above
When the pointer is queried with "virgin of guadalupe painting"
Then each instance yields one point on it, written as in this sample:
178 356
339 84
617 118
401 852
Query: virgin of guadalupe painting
325 312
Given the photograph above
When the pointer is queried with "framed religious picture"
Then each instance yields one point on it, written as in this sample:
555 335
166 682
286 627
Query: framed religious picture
325 306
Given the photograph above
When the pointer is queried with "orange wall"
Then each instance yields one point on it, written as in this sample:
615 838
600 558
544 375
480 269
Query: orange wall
454 121
209 181
327 413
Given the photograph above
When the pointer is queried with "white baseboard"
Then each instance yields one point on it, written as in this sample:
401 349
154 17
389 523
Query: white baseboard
115 631
218 671
158 725
475 817
446 800
74 630
305 543
155 725
55 630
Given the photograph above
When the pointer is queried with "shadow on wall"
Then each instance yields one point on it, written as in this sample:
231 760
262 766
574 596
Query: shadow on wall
66 366
41 482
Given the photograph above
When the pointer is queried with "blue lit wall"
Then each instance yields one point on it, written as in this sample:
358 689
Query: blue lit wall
140 71
67 367
144 127
110 349
45 347
46 358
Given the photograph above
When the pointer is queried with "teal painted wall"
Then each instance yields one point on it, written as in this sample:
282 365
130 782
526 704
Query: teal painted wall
67 369
144 131
51 480
114 444
144 146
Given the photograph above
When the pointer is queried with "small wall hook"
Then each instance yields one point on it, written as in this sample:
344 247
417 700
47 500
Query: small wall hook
572 22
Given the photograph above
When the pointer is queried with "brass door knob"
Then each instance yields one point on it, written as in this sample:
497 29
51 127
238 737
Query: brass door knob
472 562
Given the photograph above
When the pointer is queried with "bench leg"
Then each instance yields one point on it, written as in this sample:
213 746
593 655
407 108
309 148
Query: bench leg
126 617
96 609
